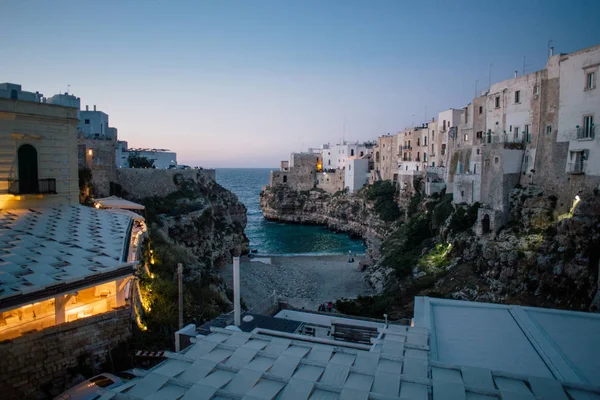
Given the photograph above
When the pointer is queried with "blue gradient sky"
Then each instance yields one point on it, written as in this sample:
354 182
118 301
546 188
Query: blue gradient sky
243 83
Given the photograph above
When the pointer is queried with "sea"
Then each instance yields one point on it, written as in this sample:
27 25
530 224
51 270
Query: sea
278 238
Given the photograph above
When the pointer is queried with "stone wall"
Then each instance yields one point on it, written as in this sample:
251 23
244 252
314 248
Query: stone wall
43 364
142 183
331 181
101 162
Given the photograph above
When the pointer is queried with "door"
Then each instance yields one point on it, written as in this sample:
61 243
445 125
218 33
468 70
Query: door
28 169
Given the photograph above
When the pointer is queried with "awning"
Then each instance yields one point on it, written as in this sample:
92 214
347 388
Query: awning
117 202
134 216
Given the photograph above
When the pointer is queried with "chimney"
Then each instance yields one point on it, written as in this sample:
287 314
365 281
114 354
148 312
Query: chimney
236 292
87 108
516 74
94 107
551 51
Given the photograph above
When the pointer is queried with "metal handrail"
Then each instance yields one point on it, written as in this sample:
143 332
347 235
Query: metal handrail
42 186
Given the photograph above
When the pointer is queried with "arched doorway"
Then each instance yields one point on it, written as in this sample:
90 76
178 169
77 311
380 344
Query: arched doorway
28 169
485 224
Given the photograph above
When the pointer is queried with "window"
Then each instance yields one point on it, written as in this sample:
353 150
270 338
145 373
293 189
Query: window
284 178
474 168
479 134
526 134
425 141
444 125
518 96
462 193
495 160
328 162
466 114
510 129
466 138
443 149
87 121
351 152
424 157
432 148
516 132
362 153
418 141
549 129
480 109
588 127
433 164
417 167
536 90
432 135
497 103
478 151
349 167
590 80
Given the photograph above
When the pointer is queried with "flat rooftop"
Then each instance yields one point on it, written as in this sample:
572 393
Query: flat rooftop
43 248
402 362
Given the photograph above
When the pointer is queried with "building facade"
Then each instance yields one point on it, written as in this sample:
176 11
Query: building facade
162 158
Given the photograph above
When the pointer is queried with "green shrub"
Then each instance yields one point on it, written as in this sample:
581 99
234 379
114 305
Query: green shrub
382 194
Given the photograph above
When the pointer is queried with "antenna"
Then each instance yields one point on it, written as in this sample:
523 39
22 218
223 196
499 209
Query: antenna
525 65
476 82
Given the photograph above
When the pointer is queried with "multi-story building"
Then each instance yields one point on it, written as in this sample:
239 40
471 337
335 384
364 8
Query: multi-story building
66 268
385 155
94 124
335 156
578 115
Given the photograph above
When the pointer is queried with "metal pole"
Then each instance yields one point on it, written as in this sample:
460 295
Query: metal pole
180 281
236 292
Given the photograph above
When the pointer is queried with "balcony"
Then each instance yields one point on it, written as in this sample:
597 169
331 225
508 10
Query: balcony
575 168
405 148
42 186
586 132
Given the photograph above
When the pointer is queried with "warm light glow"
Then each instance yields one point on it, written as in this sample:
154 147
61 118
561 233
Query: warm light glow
320 166
90 152
577 198
97 205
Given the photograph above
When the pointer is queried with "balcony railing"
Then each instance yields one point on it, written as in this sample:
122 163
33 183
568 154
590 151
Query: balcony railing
575 168
405 147
586 132
42 186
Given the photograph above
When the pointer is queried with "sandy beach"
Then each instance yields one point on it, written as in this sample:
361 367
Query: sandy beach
303 281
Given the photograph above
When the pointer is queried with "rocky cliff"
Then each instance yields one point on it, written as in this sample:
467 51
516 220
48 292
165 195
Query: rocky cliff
193 221
429 247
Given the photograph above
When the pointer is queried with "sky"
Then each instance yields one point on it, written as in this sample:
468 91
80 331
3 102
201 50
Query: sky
244 83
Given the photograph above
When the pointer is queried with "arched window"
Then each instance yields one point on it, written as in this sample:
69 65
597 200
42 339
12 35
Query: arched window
28 169
377 156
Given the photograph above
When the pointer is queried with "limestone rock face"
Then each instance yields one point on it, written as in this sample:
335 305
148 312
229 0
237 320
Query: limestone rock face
350 213
193 211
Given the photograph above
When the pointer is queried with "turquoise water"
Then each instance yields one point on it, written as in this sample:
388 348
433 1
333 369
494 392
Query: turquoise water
275 238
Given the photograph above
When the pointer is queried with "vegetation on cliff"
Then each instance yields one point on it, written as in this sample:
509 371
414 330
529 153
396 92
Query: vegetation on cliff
198 225
538 258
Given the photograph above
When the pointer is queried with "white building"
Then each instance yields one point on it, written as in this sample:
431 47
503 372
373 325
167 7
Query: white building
162 158
13 91
65 100
356 173
335 157
94 124
579 111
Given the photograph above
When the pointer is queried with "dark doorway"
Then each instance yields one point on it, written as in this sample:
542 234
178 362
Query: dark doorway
28 169
485 224
284 178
